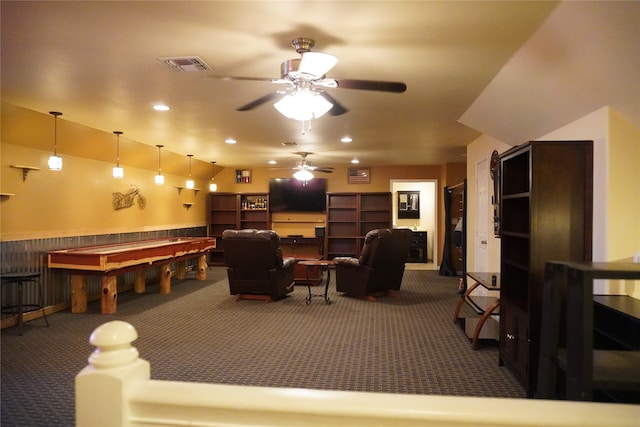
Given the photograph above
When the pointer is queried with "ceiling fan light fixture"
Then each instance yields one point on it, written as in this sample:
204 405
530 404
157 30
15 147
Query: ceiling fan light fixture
303 105
303 175
316 64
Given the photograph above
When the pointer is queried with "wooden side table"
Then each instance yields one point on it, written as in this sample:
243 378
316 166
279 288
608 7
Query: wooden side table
486 309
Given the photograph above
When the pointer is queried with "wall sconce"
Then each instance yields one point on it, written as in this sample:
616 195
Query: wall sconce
118 172
212 185
159 177
190 184
55 161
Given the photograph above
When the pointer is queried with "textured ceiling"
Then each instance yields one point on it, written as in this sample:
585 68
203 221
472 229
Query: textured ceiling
97 62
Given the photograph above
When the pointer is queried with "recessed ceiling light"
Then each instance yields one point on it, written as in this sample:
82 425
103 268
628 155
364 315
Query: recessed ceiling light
346 139
354 161
230 141
272 162
161 107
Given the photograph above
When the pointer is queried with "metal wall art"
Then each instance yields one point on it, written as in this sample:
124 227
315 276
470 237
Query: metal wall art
126 200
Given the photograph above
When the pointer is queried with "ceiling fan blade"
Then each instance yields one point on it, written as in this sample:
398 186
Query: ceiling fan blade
380 86
337 108
325 170
316 64
258 102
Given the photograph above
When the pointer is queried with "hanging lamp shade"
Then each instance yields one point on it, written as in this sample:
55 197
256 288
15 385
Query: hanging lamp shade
212 185
303 175
190 184
303 105
118 172
55 161
159 177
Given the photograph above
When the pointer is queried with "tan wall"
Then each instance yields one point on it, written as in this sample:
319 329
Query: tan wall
480 149
78 199
623 207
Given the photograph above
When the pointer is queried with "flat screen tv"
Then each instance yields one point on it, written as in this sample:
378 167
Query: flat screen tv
292 195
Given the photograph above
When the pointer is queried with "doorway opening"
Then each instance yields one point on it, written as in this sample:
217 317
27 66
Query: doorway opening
419 198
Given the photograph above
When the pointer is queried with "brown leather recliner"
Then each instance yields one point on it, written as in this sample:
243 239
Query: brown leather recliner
255 266
379 269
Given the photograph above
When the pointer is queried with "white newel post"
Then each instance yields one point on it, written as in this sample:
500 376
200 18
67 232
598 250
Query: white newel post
103 387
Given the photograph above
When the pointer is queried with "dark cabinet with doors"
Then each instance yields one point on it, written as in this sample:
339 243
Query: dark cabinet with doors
546 214
418 251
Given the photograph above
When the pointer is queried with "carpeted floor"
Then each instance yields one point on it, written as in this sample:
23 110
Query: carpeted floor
199 333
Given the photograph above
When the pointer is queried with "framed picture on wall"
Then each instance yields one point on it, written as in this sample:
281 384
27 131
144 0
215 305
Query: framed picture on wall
243 176
408 204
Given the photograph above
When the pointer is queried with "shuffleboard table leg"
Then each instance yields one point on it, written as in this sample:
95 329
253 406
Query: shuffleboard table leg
181 270
139 284
202 268
109 295
165 279
78 293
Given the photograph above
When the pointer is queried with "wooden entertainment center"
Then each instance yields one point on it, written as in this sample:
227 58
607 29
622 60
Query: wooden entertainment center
339 231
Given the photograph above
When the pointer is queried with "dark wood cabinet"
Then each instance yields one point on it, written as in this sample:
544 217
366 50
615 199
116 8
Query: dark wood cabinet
304 248
546 214
350 216
235 211
418 251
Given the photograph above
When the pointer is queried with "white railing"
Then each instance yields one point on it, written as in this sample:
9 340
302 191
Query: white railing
115 390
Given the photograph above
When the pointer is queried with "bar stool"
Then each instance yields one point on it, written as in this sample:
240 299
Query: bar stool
20 279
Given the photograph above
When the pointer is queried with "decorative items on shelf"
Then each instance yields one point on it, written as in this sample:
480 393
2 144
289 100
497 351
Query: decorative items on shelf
25 170
243 176
257 204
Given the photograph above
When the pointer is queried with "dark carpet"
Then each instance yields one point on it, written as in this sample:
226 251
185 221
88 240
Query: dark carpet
408 344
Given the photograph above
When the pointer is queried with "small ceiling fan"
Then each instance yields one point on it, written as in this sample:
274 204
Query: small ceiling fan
308 73
305 165
304 169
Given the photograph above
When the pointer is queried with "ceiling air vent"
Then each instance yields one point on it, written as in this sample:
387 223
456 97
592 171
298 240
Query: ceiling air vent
187 64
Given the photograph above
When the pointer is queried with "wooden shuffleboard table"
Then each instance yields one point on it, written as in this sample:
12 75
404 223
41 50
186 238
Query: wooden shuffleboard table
108 261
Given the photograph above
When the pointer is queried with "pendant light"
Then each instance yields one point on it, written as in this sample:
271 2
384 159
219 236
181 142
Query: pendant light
212 185
118 172
55 161
159 177
190 183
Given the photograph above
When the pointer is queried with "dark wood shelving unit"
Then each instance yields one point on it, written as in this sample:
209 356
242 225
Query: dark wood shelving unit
545 214
350 216
235 211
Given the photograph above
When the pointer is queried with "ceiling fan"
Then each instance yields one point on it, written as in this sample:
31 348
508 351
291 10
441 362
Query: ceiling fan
305 165
307 75
303 169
